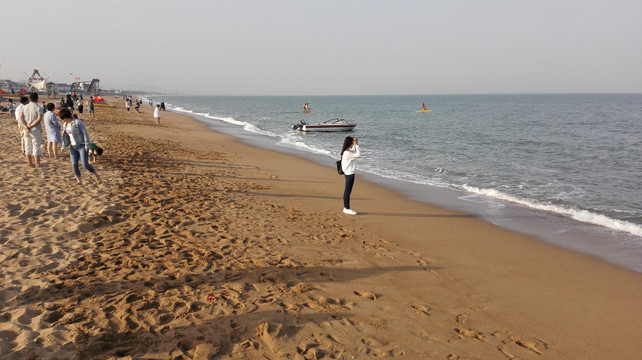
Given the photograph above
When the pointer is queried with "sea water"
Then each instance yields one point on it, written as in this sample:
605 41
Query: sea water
563 168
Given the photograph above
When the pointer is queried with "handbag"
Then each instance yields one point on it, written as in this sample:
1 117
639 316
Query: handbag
339 169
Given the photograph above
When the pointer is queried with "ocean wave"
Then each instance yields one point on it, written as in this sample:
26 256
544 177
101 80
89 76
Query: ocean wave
292 141
404 176
576 214
230 120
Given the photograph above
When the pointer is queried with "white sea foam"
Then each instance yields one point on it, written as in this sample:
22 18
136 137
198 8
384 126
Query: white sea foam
403 176
292 141
579 215
230 120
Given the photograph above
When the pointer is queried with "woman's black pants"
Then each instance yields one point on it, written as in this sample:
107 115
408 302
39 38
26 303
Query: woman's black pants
348 190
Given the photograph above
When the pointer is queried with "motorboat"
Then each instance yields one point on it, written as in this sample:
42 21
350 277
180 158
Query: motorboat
331 125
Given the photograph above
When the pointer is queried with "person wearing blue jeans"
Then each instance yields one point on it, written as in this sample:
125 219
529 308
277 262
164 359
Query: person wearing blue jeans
350 152
75 136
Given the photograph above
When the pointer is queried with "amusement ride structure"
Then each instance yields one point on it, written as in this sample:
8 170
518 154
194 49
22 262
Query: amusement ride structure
36 82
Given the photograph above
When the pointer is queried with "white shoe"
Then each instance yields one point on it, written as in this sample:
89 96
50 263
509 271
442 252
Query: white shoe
349 211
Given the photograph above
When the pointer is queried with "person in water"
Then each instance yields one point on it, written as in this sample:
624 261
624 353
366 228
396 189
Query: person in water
306 107
423 106
350 152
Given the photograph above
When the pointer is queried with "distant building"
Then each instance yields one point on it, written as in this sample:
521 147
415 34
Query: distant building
10 87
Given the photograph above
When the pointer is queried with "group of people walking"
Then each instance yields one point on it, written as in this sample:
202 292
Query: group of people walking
73 101
72 134
139 102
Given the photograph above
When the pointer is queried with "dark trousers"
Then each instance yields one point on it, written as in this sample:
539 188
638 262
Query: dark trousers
348 190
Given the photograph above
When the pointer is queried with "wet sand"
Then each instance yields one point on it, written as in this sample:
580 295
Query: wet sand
196 246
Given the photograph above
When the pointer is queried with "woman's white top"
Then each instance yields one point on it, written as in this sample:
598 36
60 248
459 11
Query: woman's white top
348 160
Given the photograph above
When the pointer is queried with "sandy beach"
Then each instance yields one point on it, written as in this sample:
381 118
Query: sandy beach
196 246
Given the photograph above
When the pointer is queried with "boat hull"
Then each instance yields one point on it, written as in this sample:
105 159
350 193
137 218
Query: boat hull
327 128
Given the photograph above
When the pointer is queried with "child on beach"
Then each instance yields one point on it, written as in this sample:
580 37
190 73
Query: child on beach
76 138
94 152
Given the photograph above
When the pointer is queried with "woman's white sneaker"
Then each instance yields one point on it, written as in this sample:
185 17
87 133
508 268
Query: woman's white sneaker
349 211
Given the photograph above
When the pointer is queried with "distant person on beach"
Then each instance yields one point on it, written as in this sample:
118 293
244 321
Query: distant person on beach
69 103
91 106
76 138
80 106
52 126
350 152
24 100
138 102
163 105
31 121
157 114
12 108
128 103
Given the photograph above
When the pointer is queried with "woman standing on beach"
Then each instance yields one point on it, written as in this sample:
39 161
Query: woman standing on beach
75 136
157 114
52 126
350 152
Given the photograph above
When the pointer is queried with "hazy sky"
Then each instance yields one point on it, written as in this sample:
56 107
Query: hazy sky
301 47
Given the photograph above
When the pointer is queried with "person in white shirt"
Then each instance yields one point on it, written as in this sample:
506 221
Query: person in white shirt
24 100
12 108
157 114
31 122
350 152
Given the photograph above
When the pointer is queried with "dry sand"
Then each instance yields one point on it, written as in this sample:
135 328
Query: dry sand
199 247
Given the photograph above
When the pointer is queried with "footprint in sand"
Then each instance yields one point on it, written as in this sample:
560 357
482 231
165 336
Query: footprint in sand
366 294
289 307
267 333
471 334
424 265
502 349
528 344
421 310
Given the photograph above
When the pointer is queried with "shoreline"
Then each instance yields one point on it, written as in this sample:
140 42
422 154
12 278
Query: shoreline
186 212
603 243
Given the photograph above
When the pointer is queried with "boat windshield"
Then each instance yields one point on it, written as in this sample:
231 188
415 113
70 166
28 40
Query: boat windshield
335 121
